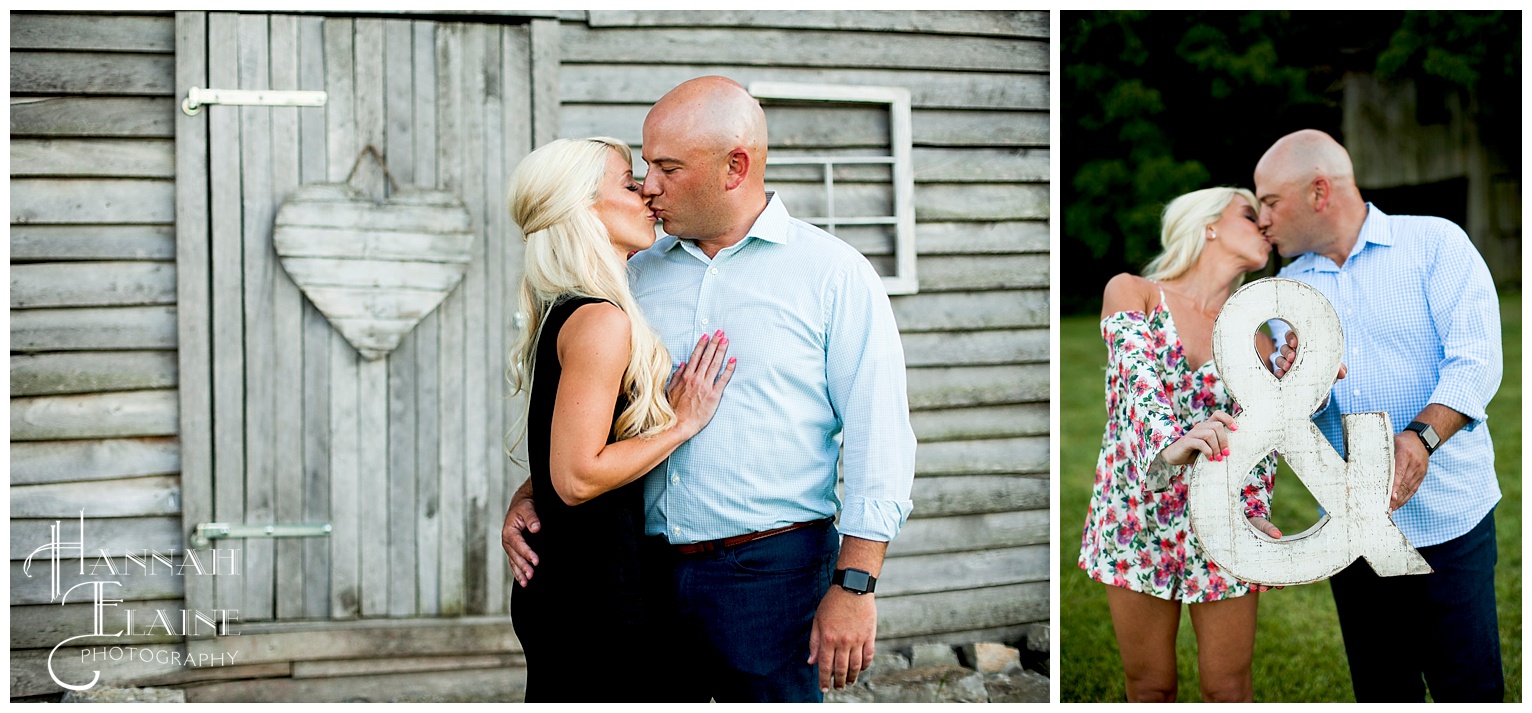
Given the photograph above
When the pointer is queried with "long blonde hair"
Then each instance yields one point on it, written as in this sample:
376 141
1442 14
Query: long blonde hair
1181 227
569 254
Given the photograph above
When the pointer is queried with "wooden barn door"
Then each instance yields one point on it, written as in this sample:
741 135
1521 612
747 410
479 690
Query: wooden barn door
283 422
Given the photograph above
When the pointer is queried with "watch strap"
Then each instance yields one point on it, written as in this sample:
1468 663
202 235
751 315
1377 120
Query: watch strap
855 581
1427 434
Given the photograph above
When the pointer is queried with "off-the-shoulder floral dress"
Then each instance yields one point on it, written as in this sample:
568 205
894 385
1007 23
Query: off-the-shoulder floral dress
1134 537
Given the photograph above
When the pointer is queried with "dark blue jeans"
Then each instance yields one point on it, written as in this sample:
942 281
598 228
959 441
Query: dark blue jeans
743 615
1441 626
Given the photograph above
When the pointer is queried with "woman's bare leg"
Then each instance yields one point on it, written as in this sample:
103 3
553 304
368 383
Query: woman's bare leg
1225 645
1146 640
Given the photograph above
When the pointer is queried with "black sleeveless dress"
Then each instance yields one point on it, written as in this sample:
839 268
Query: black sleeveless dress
582 619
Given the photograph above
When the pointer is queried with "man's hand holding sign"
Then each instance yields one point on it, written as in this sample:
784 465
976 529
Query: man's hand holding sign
1355 493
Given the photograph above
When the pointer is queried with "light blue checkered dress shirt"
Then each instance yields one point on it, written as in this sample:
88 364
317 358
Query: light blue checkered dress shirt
820 367
1422 325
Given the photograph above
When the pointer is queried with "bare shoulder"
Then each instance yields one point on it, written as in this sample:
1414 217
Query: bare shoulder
1128 293
600 330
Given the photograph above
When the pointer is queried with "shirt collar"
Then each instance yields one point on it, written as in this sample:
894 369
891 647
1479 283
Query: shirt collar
770 225
1374 230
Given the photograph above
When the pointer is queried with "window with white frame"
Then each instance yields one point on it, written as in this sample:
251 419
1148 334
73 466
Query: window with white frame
840 157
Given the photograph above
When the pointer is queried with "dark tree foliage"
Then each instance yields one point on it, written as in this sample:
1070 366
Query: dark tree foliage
1158 103
1474 54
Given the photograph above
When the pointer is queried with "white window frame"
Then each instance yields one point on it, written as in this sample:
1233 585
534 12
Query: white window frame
903 281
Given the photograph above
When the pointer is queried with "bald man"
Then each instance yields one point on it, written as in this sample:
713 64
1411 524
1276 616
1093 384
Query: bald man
772 603
1422 326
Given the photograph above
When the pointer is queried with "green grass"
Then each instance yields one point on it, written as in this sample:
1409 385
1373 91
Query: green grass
1299 655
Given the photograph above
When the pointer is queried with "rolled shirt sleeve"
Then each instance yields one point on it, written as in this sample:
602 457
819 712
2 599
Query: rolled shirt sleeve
864 363
1465 313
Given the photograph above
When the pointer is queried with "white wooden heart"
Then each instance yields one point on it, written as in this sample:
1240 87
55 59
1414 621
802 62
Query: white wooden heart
373 269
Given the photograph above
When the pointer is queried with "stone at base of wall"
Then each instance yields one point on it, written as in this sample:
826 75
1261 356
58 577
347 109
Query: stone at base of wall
107 694
932 674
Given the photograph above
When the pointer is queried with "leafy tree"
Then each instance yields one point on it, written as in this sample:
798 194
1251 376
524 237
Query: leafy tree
1475 54
1155 104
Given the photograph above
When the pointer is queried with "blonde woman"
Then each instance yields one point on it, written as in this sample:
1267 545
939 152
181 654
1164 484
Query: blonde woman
599 417
1166 407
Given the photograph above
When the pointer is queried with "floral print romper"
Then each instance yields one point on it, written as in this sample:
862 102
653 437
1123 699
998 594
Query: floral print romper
1133 537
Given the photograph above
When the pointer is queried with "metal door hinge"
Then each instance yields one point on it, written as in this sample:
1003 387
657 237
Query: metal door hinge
197 97
209 531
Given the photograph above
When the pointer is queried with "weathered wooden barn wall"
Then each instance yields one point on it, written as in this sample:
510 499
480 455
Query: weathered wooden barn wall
93 315
118 387
1391 147
115 389
401 456
972 563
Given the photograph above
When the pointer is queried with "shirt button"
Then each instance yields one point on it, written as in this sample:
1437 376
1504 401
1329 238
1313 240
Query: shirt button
676 529
1356 392
675 478
704 320
714 271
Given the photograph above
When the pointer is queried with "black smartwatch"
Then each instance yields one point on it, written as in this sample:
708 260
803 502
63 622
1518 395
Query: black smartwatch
854 580
1427 435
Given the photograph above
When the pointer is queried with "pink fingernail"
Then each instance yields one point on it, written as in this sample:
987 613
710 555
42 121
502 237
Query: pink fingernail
718 333
1233 427
1226 453
731 360
705 337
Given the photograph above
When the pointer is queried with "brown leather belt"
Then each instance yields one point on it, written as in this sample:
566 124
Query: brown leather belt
727 542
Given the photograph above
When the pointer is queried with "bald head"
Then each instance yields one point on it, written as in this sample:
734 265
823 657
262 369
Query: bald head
715 113
1303 155
1309 199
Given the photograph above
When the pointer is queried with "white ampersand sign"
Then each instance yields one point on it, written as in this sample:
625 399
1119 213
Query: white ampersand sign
1353 492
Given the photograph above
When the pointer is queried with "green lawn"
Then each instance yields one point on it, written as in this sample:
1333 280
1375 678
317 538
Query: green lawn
1299 655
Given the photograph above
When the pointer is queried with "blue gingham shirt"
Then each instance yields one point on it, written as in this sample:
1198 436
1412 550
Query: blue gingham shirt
820 367
1422 325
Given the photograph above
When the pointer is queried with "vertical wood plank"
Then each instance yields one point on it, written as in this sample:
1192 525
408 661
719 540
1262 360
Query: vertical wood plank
427 379
398 53
228 313
316 341
450 152
372 479
345 480
425 102
260 353
401 544
345 483
316 460
193 277
476 63
311 120
517 132
496 216
545 81
340 114
428 466
372 389
287 324
398 78
368 85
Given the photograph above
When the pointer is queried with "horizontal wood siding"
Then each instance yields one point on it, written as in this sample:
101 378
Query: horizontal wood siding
956 22
93 324
976 334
